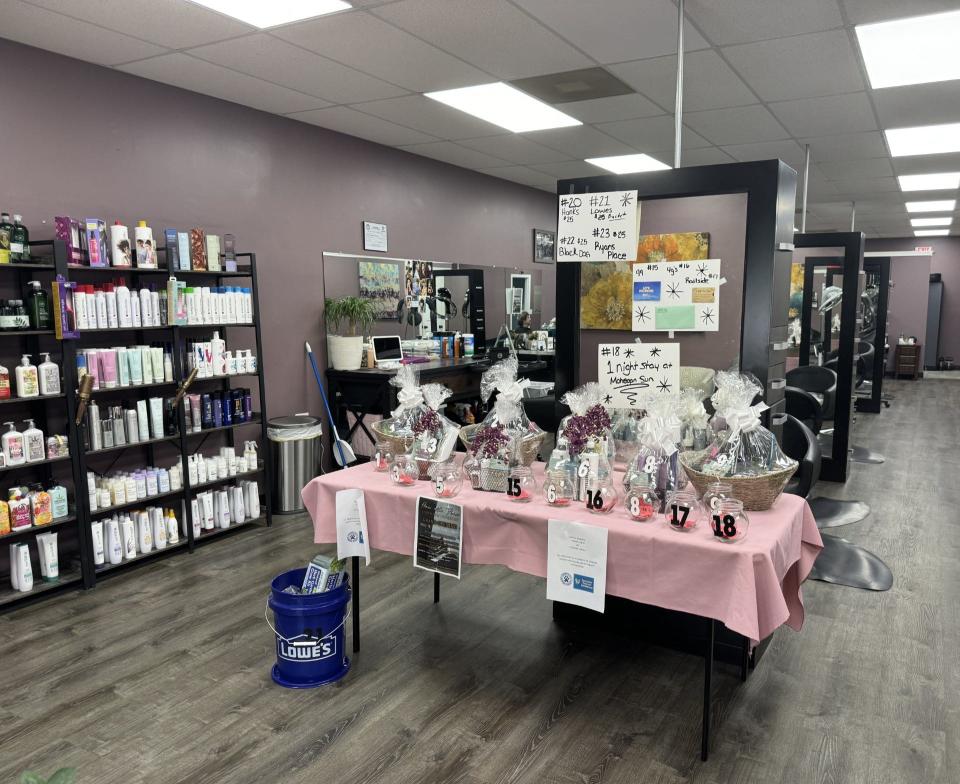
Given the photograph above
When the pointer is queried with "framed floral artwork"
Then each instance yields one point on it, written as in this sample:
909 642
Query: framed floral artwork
685 246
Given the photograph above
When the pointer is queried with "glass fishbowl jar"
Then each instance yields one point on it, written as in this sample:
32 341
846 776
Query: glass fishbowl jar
641 501
730 522
558 489
383 457
521 484
404 471
471 467
715 494
447 478
683 511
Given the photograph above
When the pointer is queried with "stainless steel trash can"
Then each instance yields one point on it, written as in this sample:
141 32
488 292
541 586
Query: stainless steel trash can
296 446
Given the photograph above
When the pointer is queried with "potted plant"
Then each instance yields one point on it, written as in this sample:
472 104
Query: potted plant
345 352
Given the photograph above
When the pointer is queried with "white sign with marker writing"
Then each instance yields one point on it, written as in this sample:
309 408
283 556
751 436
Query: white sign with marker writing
677 296
598 226
627 371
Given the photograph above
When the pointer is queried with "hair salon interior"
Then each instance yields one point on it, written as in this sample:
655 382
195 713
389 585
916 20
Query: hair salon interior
530 391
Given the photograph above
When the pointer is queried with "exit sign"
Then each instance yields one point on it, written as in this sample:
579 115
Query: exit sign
923 249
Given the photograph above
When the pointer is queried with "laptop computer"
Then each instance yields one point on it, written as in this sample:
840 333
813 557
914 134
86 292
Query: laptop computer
387 351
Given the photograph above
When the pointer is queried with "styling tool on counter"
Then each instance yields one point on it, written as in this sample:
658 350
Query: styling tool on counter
343 453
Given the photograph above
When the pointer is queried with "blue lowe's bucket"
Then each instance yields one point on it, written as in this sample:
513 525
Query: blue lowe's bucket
311 648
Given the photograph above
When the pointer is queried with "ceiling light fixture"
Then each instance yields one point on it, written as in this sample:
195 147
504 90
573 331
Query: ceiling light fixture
924 139
915 50
918 222
506 106
929 182
628 164
932 233
271 13
944 205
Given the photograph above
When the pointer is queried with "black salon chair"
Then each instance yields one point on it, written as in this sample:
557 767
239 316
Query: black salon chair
840 562
547 413
818 381
805 407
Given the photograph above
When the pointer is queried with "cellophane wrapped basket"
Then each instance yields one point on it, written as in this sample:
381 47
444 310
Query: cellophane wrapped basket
695 430
657 455
586 428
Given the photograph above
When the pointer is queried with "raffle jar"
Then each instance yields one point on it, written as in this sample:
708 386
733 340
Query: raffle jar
715 494
729 522
383 457
683 511
641 500
521 484
447 478
558 488
404 471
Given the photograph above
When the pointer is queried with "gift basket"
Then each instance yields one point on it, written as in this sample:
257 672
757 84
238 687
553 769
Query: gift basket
695 431
586 428
506 436
659 432
742 453
624 424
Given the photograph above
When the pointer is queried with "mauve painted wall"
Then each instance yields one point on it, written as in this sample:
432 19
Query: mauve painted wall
89 141
946 261
909 300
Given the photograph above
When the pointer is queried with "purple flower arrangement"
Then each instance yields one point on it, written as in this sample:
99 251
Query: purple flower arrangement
581 428
428 422
489 440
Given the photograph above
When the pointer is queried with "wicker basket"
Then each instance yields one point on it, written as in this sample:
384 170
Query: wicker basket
758 493
396 443
529 443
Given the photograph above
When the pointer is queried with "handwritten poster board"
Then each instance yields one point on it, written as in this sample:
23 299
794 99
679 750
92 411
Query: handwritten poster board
627 371
598 226
680 296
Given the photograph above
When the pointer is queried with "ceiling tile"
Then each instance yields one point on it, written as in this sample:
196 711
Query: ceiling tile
369 44
617 107
825 116
739 21
702 156
866 188
514 148
176 24
569 169
429 116
268 58
493 35
202 77
583 141
452 152
524 176
621 30
803 66
651 133
927 164
740 125
863 11
34 26
918 104
786 150
708 82
861 169
846 146
350 121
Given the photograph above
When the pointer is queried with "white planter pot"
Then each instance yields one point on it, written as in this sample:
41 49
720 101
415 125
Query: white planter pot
345 353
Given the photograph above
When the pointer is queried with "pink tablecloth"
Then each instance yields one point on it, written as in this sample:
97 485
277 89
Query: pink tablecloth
752 586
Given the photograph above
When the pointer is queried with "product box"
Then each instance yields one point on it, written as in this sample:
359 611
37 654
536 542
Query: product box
183 250
198 249
98 243
173 249
213 253
229 253
176 301
68 230
64 321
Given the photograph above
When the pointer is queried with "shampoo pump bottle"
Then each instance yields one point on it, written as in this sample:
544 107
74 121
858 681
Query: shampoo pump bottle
49 374
34 448
19 506
38 307
28 382
12 444
4 383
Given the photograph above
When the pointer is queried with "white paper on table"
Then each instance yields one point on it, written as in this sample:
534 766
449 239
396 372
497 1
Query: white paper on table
352 536
577 563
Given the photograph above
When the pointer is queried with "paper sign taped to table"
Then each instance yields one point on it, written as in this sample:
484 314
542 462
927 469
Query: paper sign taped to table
626 372
352 536
438 536
577 564
598 226
676 296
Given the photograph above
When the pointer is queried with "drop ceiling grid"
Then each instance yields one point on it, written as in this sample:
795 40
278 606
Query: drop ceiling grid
729 45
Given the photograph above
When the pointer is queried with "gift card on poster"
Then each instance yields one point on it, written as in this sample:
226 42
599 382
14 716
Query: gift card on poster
577 564
352 536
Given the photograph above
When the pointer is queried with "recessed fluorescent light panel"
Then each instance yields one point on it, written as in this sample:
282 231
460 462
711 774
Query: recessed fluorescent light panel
931 233
929 182
946 205
506 106
916 50
924 139
628 164
918 222
271 13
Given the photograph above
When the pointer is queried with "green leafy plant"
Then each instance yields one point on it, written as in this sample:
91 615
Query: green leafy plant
355 312
62 776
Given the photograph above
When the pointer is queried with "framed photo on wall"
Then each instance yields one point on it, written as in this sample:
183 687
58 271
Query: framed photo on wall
544 246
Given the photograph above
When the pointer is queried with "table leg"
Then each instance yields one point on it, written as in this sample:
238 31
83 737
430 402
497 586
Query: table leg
707 676
436 587
356 603
745 659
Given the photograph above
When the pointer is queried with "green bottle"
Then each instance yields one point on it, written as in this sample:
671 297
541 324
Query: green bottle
19 240
6 234
38 307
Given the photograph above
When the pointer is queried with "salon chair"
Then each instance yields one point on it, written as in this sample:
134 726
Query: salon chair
840 562
547 413
805 407
818 381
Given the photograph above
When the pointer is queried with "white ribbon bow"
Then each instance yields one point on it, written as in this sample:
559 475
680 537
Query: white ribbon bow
407 397
660 431
745 420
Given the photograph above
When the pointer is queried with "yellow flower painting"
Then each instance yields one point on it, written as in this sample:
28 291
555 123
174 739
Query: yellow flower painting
686 246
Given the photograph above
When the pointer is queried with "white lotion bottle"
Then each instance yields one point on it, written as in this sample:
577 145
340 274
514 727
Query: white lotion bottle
49 375
12 444
28 380
96 534
100 305
146 309
129 538
144 532
24 568
124 314
34 449
114 542
217 351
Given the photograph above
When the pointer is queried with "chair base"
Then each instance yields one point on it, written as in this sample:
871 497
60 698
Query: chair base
861 454
833 512
844 563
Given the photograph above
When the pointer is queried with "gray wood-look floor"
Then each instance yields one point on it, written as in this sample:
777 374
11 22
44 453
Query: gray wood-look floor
162 675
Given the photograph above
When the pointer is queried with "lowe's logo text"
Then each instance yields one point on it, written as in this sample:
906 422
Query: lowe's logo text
304 648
